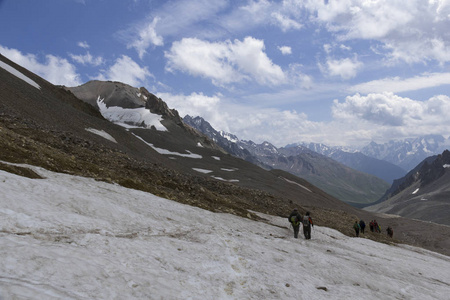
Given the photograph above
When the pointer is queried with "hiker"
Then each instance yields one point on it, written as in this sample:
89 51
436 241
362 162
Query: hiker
390 231
362 225
356 227
307 223
371 226
375 226
295 218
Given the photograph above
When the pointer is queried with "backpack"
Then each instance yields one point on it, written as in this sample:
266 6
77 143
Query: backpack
306 221
295 221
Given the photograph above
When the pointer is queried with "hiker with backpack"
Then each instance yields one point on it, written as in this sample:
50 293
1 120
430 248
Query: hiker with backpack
371 224
362 225
295 219
390 231
376 227
356 227
307 223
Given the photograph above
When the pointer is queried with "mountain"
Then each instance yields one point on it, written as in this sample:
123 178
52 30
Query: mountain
359 161
337 179
424 193
408 153
47 127
229 142
142 145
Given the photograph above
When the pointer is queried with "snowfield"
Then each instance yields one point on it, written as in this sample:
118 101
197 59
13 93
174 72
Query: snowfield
69 237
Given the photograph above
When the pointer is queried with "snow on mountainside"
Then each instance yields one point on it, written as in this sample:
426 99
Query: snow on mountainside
408 153
70 237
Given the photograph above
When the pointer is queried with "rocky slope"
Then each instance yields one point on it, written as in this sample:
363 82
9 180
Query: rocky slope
424 193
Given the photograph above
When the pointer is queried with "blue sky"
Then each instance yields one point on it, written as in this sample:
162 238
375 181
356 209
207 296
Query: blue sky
337 72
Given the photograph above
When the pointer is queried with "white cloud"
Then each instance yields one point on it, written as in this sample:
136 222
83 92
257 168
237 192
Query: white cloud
285 22
386 115
356 121
147 37
298 78
250 15
283 15
127 71
83 44
247 122
55 69
87 59
397 84
172 19
285 50
198 104
225 62
410 31
345 68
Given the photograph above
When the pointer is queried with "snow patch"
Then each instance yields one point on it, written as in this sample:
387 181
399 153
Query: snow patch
204 171
199 145
296 183
227 180
229 170
19 75
139 117
167 152
446 166
216 157
102 133
415 192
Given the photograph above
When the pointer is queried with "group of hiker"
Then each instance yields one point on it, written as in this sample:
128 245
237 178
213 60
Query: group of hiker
296 219
374 227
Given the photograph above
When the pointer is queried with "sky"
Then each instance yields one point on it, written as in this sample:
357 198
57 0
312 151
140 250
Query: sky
69 237
335 72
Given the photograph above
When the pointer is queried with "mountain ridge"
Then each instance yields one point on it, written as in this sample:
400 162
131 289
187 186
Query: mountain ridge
423 193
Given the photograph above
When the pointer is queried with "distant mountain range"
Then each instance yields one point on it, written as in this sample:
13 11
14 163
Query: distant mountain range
358 161
343 173
343 182
408 153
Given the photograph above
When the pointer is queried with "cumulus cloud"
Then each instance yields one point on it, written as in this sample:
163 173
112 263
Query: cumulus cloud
127 71
345 68
285 50
247 122
356 121
198 104
55 69
225 62
389 113
87 59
